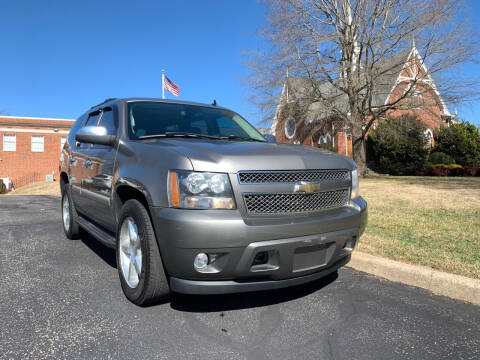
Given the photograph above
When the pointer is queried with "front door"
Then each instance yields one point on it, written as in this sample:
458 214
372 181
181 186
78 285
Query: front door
79 166
97 185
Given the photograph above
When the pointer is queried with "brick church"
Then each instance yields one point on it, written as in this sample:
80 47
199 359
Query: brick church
405 71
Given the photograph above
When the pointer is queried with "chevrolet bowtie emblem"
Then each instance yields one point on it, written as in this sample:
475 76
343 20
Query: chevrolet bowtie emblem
306 187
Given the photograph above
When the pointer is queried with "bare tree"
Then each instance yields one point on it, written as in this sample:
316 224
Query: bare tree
344 50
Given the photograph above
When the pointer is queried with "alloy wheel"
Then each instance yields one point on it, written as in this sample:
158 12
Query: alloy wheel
130 252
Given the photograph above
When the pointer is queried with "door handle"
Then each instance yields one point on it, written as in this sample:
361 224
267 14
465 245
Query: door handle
88 163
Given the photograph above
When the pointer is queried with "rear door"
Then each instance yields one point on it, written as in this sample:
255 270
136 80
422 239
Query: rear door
97 185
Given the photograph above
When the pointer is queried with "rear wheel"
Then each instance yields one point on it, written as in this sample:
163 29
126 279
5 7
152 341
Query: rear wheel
142 276
70 226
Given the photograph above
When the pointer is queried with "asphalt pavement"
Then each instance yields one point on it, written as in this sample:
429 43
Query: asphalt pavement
62 299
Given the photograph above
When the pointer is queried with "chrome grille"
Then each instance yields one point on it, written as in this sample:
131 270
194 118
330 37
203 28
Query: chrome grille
258 204
258 177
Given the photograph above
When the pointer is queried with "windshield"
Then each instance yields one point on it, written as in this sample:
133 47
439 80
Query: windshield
157 118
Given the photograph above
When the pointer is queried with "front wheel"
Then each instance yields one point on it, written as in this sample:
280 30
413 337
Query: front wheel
142 276
70 226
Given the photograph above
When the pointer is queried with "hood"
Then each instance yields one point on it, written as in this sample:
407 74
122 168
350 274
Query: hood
234 156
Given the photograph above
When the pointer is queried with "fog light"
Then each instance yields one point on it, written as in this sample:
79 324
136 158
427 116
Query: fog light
201 261
260 258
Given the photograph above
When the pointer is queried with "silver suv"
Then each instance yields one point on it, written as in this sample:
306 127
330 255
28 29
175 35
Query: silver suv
195 200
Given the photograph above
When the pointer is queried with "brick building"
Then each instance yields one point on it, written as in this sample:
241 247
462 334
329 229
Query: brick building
297 119
30 148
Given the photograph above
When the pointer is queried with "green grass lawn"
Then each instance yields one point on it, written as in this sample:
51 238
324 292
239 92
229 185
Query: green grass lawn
429 221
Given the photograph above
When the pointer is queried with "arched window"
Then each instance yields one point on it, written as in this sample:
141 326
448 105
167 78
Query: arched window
290 128
429 138
325 140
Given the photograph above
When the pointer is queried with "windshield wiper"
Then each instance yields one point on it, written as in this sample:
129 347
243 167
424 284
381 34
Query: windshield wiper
194 135
179 134
236 137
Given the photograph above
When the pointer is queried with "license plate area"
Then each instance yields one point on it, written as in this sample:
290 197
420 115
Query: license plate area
311 257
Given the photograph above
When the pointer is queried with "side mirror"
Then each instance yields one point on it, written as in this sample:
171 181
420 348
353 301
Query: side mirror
270 138
94 135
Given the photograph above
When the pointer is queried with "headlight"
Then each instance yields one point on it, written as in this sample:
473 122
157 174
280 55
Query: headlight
355 189
200 190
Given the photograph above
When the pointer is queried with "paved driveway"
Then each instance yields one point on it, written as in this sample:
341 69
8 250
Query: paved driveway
62 299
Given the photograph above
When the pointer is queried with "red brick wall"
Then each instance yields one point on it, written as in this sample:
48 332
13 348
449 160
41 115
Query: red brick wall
24 166
429 112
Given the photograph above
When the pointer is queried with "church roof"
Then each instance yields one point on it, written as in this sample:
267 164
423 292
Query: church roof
387 71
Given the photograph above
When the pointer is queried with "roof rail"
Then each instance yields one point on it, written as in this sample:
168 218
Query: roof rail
103 102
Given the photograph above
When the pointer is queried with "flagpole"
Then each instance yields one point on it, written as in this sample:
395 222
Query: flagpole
163 84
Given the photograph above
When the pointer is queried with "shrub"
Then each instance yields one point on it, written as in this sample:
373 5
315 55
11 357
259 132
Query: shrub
397 146
461 141
2 187
471 170
328 147
441 158
452 170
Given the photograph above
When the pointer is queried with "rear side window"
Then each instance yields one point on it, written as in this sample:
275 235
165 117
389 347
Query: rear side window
108 121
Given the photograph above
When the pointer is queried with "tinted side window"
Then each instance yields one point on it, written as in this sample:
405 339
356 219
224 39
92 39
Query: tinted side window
74 129
93 119
108 121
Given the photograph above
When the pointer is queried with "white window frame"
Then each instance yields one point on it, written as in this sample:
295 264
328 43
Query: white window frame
429 138
287 135
325 140
7 145
63 140
37 146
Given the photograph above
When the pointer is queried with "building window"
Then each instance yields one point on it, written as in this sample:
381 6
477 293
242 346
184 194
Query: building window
9 142
290 128
415 98
325 140
37 143
429 138
63 140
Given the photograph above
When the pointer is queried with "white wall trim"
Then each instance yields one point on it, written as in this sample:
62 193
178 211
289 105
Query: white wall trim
13 130
428 80
273 127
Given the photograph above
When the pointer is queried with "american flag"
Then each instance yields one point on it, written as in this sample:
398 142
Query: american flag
171 86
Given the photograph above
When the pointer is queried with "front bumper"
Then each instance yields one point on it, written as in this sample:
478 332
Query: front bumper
198 287
300 248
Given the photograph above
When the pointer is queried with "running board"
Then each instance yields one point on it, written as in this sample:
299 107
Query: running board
101 235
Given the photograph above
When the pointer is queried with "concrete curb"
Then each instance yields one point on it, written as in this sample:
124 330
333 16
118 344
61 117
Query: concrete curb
439 283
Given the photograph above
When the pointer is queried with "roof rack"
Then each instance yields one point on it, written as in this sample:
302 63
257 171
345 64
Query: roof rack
103 102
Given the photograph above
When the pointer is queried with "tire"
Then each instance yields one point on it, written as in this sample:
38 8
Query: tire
70 226
142 275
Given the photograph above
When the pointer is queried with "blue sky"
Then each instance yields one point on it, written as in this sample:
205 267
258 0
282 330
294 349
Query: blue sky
57 58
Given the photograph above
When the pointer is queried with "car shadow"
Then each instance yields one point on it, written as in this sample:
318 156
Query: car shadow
104 252
215 303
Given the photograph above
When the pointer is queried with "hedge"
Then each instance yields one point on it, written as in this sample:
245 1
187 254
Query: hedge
452 170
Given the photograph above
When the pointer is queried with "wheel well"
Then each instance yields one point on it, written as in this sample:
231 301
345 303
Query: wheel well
63 178
63 181
125 193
